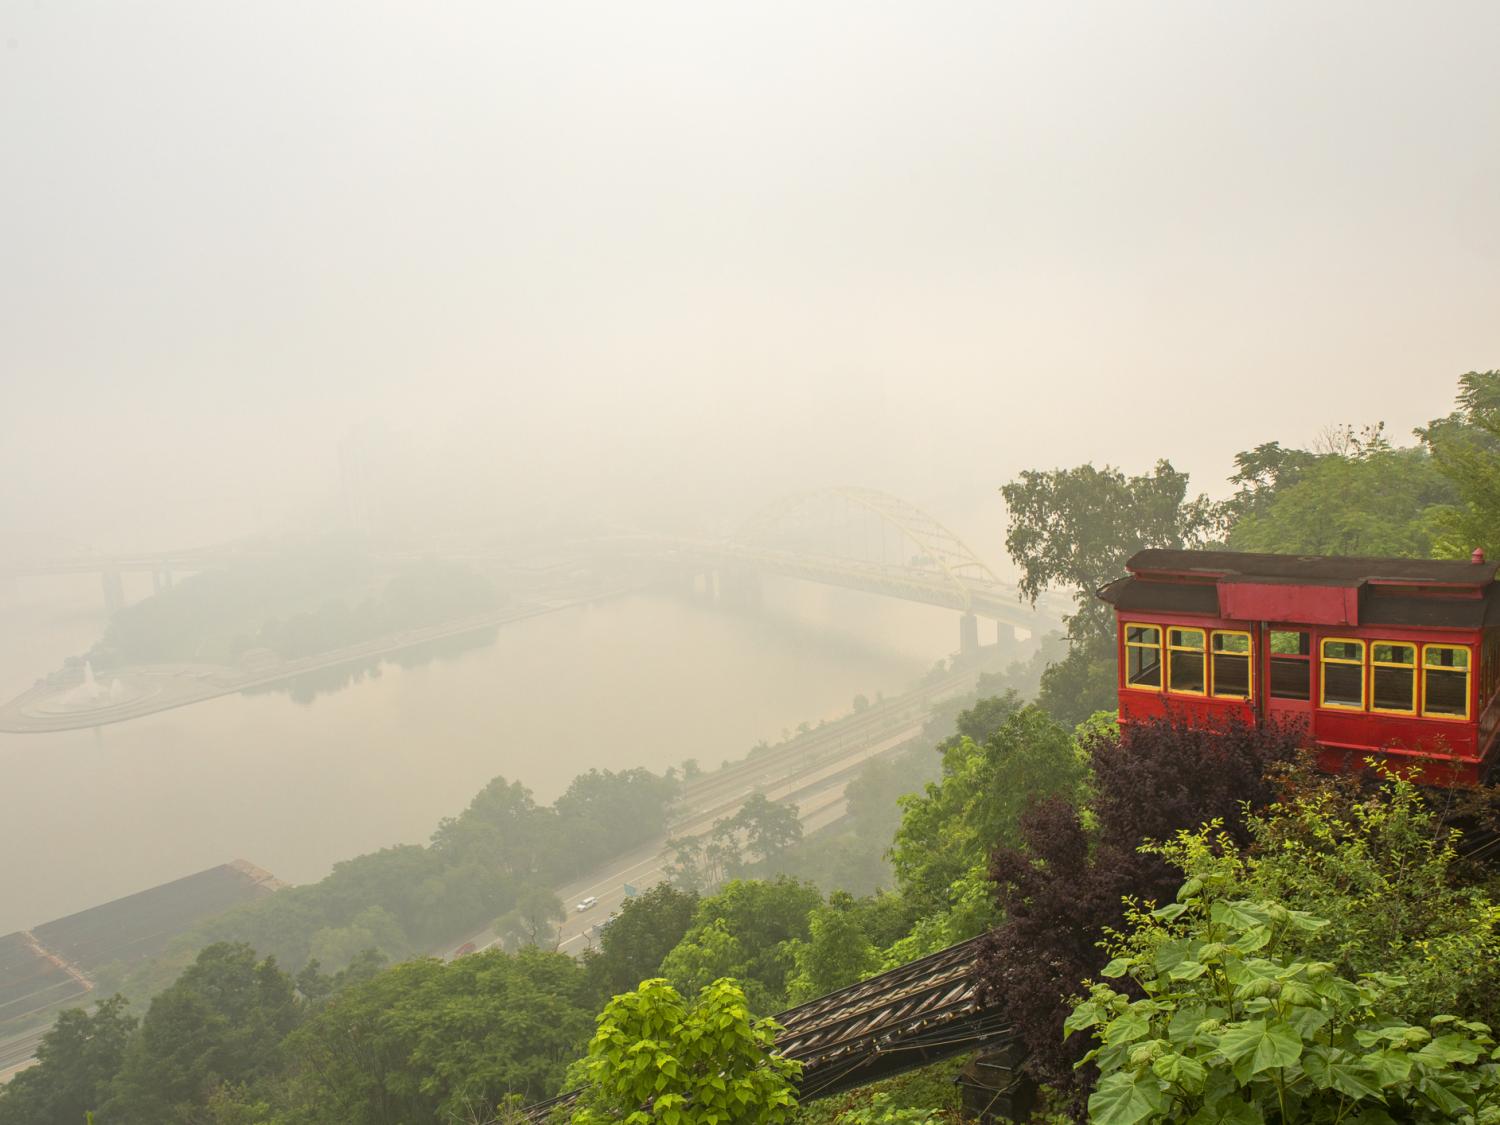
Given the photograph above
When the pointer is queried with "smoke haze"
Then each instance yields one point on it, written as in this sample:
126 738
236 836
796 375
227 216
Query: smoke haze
638 259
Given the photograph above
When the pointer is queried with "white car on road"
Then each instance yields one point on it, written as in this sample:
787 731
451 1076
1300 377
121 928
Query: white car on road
587 904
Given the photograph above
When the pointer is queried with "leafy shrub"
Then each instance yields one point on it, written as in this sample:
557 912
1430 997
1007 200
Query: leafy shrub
1229 1029
657 1058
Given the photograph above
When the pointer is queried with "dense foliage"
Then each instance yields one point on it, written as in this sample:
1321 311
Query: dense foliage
1370 499
1061 889
1466 449
428 1041
743 932
77 1062
221 1022
1234 1025
632 947
1021 755
760 832
658 1058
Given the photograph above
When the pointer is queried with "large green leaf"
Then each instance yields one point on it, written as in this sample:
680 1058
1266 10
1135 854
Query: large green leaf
1240 916
1441 1098
1124 1099
1193 1023
1258 1045
1182 1070
1126 1028
1446 1049
1329 1067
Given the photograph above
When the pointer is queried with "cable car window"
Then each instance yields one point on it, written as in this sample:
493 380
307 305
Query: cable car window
1344 674
1185 670
1291 664
1445 681
1231 665
1143 657
1393 678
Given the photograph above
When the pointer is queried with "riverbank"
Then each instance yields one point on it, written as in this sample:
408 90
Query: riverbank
149 689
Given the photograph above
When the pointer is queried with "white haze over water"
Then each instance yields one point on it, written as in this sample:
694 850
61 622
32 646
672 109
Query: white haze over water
681 257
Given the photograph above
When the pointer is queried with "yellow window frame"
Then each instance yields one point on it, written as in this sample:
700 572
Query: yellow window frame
1248 654
1468 672
1324 661
1201 649
1161 636
1412 667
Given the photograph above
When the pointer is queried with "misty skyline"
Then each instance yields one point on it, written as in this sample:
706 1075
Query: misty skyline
685 256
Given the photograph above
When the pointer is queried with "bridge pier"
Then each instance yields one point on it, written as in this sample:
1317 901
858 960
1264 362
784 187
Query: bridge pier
739 587
114 590
1006 642
161 579
968 635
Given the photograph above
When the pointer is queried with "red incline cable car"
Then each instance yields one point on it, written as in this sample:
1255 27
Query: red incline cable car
1390 658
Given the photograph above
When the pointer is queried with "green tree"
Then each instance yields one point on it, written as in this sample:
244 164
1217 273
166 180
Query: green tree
1260 473
1233 1028
433 1041
770 827
316 986
656 1058
1376 500
948 832
743 931
632 946
1465 448
1074 528
372 928
76 1061
533 921
605 813
221 1021
837 952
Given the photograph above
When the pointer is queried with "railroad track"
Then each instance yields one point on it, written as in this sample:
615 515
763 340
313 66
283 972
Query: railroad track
17 1052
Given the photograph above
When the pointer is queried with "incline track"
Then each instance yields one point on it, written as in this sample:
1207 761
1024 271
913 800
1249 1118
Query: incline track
921 1012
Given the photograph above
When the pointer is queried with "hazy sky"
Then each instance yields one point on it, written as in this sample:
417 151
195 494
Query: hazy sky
630 255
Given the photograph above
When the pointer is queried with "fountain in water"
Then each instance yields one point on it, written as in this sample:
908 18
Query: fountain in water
91 693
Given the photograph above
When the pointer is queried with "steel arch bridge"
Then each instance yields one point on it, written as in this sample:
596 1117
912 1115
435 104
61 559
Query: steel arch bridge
793 537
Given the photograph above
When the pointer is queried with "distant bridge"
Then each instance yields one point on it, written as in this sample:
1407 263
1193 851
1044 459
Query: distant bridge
855 538
859 539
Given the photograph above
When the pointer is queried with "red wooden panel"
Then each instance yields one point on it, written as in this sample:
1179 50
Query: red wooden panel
1273 601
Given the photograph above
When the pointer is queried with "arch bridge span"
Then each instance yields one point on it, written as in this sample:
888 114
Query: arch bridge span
859 539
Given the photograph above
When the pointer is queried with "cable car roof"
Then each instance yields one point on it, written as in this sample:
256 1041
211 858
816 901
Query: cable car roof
1422 593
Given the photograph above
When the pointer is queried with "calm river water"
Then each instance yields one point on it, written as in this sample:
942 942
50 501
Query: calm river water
297 781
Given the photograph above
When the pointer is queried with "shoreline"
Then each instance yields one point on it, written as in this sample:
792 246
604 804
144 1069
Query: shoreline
170 686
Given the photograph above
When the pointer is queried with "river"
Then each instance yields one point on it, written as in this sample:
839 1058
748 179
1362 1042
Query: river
295 780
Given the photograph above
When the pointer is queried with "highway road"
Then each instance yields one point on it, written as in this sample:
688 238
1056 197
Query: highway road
811 772
17 1054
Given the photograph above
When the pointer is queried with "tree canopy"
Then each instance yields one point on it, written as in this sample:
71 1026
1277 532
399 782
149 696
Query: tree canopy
659 1058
